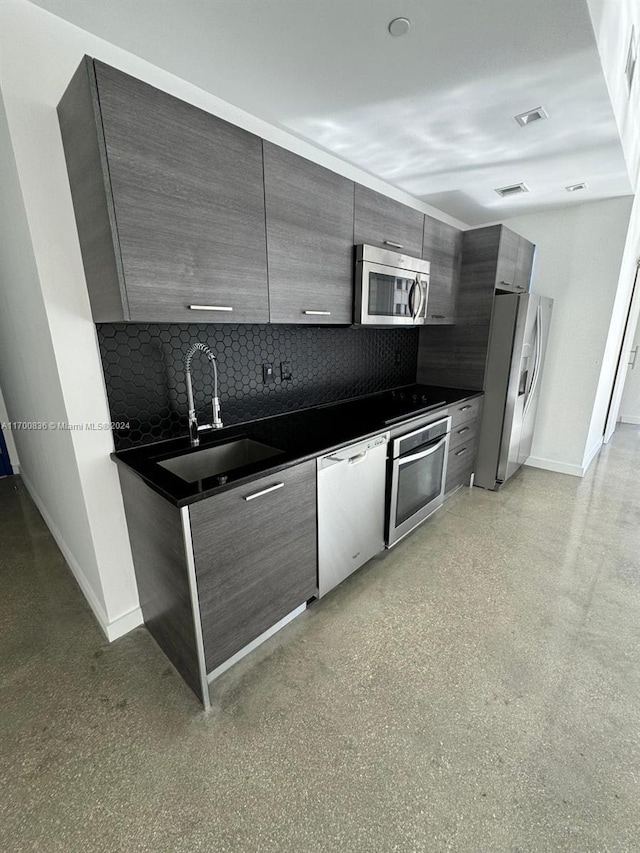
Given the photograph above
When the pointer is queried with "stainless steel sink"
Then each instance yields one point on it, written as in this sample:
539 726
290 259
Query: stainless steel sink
210 461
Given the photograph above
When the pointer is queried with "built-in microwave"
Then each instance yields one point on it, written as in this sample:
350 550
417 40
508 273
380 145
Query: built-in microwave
392 289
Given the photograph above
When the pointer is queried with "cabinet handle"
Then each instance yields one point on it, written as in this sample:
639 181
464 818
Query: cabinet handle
263 492
395 245
210 307
464 408
463 430
460 452
318 313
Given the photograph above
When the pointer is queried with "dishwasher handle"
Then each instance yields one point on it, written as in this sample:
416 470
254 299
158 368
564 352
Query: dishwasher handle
353 454
359 457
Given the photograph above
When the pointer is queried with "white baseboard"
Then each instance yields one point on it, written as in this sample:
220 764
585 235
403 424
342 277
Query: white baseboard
591 454
566 467
111 629
629 419
553 465
121 625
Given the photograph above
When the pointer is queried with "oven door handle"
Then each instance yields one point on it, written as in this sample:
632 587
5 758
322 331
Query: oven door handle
402 459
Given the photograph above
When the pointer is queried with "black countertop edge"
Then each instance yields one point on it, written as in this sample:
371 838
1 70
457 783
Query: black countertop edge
301 436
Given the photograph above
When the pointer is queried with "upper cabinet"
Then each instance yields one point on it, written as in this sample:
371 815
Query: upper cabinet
493 258
169 203
514 261
309 240
382 221
442 246
183 217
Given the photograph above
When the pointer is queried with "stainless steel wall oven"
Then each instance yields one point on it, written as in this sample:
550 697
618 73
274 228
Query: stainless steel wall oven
418 474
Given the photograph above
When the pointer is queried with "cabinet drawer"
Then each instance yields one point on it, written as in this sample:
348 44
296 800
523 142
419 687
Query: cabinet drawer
465 410
460 464
464 433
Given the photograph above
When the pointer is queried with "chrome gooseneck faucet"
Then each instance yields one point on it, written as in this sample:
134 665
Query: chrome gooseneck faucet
216 423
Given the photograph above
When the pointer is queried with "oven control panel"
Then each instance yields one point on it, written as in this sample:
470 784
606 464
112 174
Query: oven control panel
421 437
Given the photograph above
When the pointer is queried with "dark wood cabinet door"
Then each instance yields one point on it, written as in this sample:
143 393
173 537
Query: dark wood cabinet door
188 196
309 240
442 247
382 221
507 257
460 465
524 265
256 557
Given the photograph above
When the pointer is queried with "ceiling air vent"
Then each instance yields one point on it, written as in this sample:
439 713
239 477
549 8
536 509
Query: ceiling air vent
531 115
515 189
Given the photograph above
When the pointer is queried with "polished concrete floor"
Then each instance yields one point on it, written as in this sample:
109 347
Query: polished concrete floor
477 689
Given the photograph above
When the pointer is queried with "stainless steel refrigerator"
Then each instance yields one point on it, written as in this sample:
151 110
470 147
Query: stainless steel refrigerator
517 345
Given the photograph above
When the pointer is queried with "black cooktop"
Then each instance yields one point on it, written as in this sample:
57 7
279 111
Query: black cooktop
412 401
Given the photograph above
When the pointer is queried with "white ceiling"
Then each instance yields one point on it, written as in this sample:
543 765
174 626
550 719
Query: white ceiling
430 112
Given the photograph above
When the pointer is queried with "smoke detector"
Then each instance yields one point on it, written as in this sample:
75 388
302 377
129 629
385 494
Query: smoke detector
399 26
514 189
531 115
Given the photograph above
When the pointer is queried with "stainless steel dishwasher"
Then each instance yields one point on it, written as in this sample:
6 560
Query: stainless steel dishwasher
351 509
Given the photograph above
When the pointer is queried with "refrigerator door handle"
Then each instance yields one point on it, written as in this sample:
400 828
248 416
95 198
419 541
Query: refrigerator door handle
536 368
523 382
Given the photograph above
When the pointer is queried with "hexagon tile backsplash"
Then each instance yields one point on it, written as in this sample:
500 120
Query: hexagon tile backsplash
144 371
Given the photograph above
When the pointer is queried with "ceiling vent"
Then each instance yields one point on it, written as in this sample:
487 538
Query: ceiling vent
572 188
531 115
515 189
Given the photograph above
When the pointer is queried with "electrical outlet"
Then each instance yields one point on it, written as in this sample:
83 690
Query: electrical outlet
285 371
268 374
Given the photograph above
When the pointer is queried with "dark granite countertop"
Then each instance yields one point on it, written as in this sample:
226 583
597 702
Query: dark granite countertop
299 436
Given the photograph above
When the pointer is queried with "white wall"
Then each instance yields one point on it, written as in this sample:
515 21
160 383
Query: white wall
50 361
578 264
612 21
630 404
29 379
611 386
612 25
8 435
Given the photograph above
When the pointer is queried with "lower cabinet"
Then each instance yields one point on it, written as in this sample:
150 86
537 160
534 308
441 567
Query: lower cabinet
255 557
460 466
462 443
214 576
